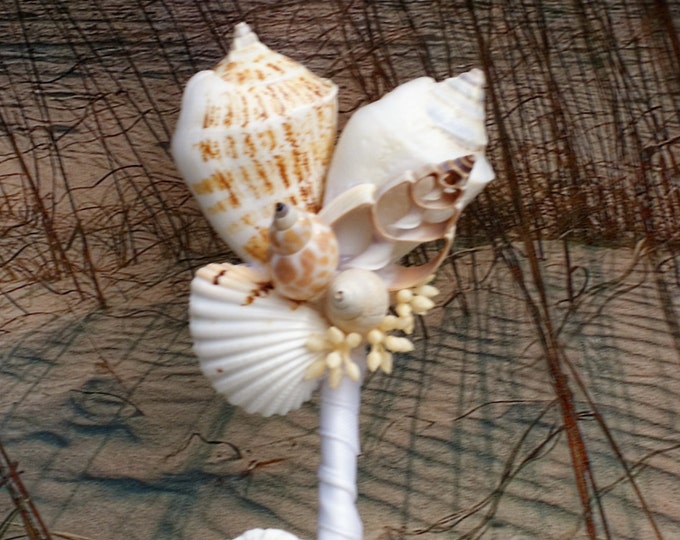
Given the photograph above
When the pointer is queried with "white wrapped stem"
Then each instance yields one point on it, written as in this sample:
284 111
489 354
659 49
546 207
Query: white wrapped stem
339 429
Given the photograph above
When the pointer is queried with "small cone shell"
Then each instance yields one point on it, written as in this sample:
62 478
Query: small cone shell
256 130
303 254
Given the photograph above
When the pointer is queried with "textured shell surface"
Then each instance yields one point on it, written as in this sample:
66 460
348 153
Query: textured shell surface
250 341
421 122
357 300
403 170
303 253
257 129
376 226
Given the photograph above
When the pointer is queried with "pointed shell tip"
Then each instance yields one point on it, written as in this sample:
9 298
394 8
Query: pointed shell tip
477 76
243 36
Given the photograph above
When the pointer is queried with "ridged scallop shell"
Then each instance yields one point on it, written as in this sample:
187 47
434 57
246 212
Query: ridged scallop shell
250 341
420 123
256 130
303 253
266 534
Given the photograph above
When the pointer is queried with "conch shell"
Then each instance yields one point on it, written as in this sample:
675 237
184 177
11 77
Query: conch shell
402 172
257 130
250 341
420 123
375 226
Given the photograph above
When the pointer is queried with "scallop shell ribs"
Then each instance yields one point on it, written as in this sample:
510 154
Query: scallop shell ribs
250 341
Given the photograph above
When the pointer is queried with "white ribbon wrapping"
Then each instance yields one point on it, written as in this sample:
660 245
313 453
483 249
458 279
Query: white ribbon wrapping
339 430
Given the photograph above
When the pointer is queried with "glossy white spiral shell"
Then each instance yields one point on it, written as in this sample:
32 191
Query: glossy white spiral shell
256 130
303 253
357 300
420 123
250 341
403 170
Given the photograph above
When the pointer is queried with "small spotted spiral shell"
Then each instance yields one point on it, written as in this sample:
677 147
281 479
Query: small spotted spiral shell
303 253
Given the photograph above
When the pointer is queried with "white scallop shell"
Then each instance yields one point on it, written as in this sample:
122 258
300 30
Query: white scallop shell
250 341
256 130
267 534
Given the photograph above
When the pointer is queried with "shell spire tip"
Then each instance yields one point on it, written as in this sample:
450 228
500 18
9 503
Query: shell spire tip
243 36
476 77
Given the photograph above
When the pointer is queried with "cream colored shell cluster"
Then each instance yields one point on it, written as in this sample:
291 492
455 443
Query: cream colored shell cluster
254 142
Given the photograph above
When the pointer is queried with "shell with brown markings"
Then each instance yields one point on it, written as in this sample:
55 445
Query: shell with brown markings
250 341
256 130
303 253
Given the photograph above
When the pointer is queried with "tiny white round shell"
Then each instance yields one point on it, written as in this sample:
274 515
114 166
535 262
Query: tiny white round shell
266 534
357 300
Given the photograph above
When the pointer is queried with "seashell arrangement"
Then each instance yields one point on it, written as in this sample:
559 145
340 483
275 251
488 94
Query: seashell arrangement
322 295
254 143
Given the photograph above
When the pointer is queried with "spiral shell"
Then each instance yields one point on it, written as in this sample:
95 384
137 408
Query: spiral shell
375 226
250 341
403 170
304 253
256 130
420 123
357 300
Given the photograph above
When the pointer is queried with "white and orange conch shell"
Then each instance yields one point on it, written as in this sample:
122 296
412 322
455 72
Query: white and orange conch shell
256 130
303 253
